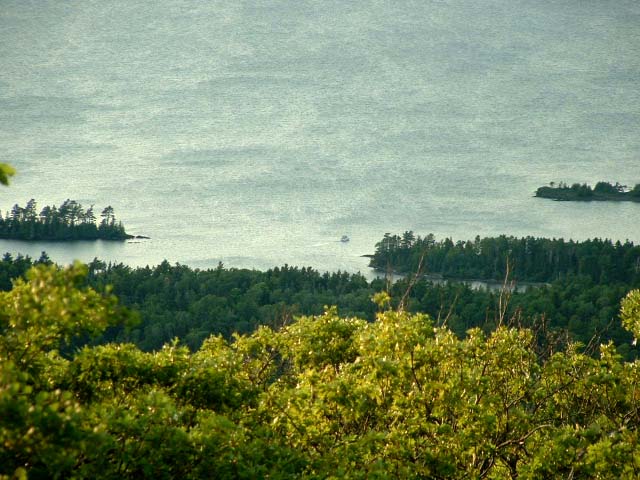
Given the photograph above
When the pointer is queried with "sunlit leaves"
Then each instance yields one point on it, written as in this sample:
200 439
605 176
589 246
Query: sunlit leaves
6 171
326 340
630 313
48 309
322 397
39 429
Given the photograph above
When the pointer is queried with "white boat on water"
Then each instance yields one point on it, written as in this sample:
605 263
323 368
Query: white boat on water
344 239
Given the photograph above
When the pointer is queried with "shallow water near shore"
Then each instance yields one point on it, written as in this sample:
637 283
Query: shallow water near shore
258 133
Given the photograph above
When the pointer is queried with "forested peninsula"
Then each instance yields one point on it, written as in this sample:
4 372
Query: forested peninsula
69 221
603 191
525 259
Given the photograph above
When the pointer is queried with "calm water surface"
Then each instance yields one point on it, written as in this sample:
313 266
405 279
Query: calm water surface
257 133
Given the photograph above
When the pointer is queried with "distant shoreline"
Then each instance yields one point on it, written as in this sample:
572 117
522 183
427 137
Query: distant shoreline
71 240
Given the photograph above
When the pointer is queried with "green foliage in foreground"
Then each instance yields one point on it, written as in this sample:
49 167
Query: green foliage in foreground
322 397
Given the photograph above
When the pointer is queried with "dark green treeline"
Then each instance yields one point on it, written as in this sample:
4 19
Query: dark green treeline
175 301
529 259
69 221
603 191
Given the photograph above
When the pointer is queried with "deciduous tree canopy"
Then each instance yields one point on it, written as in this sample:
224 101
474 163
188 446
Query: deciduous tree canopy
321 397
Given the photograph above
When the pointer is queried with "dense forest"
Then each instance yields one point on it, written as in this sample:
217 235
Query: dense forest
318 397
175 301
603 191
69 221
527 259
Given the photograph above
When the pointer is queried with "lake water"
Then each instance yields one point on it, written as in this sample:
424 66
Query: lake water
257 133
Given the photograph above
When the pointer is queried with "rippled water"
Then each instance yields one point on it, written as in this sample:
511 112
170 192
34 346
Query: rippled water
258 133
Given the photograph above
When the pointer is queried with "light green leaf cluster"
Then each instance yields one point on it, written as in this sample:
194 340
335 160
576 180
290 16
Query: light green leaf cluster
47 311
6 171
630 313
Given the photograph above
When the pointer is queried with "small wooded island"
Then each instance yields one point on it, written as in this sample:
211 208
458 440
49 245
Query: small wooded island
603 191
69 221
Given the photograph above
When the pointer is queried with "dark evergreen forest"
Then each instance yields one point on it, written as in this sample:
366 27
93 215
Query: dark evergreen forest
526 259
69 221
175 301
